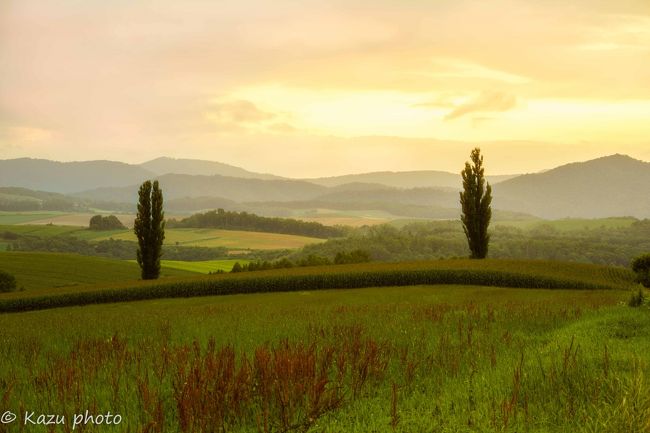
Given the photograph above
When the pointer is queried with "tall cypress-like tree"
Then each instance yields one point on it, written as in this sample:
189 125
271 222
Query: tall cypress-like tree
475 200
149 227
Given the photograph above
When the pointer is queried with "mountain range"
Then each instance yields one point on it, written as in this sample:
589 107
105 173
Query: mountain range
615 185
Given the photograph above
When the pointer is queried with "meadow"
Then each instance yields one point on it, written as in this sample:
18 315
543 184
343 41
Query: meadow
202 267
407 359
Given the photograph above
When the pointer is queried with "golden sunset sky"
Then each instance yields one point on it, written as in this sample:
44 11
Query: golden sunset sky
313 88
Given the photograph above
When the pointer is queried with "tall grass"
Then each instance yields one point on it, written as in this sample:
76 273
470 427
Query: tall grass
514 361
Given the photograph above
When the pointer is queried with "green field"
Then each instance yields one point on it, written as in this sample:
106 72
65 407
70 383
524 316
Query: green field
52 272
46 230
406 359
202 267
25 217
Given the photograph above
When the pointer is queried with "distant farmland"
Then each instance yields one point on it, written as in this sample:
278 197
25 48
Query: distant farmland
232 239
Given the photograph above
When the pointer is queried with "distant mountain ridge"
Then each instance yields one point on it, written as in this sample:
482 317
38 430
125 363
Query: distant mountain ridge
79 176
615 185
166 165
176 186
68 177
405 179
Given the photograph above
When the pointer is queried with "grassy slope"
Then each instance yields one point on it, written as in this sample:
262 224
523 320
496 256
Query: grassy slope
52 272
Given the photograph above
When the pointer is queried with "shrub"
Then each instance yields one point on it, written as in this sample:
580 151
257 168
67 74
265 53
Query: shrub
356 256
7 282
641 266
637 299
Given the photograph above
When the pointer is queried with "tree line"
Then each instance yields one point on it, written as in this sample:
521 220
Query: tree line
228 220
341 258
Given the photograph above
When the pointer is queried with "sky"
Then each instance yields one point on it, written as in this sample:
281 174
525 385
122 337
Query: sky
315 88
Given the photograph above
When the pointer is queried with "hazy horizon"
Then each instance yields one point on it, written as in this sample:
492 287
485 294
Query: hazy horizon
315 89
491 172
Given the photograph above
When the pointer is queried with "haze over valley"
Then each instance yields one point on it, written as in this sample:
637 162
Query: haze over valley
609 186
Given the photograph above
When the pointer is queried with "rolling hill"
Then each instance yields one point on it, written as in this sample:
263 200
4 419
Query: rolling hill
165 165
615 185
67 177
404 179
176 186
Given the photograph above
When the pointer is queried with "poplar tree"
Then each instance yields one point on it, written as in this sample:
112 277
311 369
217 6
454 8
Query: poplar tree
475 202
149 227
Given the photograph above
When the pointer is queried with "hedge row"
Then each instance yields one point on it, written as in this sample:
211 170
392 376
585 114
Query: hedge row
226 285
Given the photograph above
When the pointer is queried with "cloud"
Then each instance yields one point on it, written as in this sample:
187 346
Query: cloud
444 100
24 134
241 115
239 112
283 128
485 102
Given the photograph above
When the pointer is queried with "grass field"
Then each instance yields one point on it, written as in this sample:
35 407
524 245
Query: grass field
40 273
405 359
203 267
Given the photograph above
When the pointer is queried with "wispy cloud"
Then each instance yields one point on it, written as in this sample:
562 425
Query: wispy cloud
486 102
244 116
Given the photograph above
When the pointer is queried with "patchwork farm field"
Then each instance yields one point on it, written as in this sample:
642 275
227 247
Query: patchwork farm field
408 359
232 239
